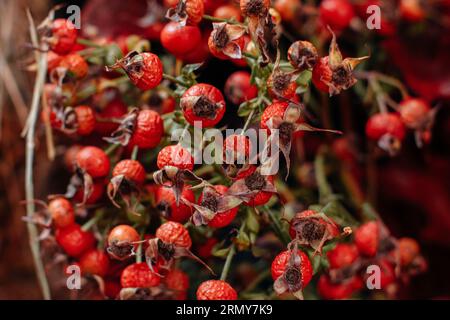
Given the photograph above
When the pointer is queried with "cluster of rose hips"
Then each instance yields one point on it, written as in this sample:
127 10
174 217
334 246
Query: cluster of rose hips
85 98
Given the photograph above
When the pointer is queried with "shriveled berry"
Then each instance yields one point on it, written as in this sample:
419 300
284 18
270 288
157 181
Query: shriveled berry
216 290
303 55
139 275
174 233
148 130
176 156
254 8
132 170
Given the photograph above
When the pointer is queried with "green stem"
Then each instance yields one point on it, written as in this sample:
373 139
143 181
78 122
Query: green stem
88 43
325 190
92 221
175 80
111 148
139 250
226 266
134 153
277 226
214 19
249 55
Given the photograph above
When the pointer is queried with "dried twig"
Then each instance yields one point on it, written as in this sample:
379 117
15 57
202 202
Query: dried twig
29 154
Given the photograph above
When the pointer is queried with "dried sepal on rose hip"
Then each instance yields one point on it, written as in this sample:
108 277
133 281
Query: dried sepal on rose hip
282 85
172 242
144 69
303 55
254 190
238 156
313 229
187 12
127 178
254 8
265 34
143 129
139 282
282 120
166 204
226 40
122 242
417 114
203 104
78 120
215 208
216 290
333 73
388 130
291 271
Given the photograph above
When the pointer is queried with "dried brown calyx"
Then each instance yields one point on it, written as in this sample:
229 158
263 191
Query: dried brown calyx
255 181
227 39
205 108
255 8
178 13
125 130
303 55
80 180
121 250
132 64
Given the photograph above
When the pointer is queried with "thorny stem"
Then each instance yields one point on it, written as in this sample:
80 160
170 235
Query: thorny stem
29 154
173 79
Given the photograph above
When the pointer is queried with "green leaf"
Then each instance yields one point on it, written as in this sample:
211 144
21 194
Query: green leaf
189 68
252 222
220 253
304 78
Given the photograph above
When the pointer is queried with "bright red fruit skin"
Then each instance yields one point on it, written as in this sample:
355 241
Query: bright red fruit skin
343 255
62 213
65 36
123 233
238 88
322 74
413 111
206 91
115 109
85 120
149 130
177 281
151 73
276 109
332 291
74 240
94 262
221 219
139 275
385 123
367 238
281 261
338 14
175 156
217 52
262 197
75 64
216 290
174 233
94 161
132 170
180 40
331 226
165 197
97 193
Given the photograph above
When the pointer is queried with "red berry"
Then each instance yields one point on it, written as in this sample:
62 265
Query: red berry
254 8
239 89
179 40
221 219
148 130
216 290
237 151
94 161
322 74
288 9
413 112
226 41
411 10
228 11
97 193
53 61
174 233
367 238
381 124
336 13
281 262
305 226
175 156
64 36
94 262
62 213
112 289
139 275
166 203
178 281
191 10
204 103
75 65
338 291
408 250
276 109
343 255
85 120
121 241
281 84
132 170
115 109
74 240
205 249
